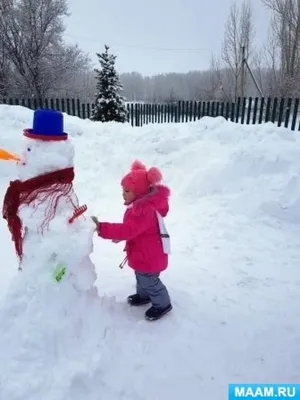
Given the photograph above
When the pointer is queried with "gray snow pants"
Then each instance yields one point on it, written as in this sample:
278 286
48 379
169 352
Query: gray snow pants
149 285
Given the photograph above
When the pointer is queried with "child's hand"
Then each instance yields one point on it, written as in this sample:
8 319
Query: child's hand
95 220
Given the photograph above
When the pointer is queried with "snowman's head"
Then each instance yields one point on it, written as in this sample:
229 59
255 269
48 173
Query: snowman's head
46 147
40 157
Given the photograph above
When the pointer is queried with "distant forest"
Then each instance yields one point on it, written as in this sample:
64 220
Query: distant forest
35 61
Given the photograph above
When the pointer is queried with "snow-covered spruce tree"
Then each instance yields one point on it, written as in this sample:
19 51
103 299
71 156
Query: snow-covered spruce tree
109 104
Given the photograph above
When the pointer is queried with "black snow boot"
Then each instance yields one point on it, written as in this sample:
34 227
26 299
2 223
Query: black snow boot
155 313
137 300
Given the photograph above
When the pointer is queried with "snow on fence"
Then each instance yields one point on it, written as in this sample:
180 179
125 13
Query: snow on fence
282 111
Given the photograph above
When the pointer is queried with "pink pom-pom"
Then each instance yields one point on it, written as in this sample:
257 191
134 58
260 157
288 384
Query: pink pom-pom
154 175
136 165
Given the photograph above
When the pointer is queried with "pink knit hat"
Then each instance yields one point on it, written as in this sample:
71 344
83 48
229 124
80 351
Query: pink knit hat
139 180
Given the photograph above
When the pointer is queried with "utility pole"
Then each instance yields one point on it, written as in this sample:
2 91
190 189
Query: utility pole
243 72
254 80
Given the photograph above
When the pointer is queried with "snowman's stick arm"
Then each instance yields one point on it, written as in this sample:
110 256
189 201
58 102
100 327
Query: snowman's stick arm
77 212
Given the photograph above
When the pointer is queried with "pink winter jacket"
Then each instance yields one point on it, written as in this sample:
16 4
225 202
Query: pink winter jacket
140 229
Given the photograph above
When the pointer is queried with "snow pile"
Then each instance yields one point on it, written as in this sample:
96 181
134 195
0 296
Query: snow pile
233 277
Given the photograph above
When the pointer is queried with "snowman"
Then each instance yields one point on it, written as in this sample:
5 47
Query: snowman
51 305
48 226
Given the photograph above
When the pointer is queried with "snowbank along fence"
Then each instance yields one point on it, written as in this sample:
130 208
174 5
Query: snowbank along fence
282 111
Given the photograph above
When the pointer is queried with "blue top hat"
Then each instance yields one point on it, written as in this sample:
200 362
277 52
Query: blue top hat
48 125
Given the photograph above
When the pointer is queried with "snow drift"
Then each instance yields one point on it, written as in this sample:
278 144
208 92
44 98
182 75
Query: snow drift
234 272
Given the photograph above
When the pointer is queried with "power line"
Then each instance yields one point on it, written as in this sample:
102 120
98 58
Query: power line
142 47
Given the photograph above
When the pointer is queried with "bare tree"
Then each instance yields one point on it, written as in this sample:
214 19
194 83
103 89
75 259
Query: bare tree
268 65
239 33
215 88
5 69
31 34
285 50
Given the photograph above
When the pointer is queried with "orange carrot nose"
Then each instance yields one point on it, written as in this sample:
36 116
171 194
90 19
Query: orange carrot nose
5 155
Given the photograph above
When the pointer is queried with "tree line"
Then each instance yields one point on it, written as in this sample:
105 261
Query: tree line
240 68
36 62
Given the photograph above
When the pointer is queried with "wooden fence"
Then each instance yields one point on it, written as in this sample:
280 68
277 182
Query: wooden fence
282 111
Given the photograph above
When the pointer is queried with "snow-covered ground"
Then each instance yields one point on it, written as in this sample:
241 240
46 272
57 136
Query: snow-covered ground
234 272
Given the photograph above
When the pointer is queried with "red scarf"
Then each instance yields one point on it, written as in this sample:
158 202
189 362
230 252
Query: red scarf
51 187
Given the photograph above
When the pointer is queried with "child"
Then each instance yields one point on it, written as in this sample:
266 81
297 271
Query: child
145 235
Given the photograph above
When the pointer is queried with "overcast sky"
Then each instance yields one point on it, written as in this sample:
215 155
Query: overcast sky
155 36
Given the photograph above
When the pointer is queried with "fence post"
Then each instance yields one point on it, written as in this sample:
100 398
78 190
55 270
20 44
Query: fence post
255 110
261 111
237 117
267 116
78 108
281 107
243 110
287 113
295 113
249 111
274 110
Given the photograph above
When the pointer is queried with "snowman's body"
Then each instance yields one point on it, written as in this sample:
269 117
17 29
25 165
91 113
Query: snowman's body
49 239
45 324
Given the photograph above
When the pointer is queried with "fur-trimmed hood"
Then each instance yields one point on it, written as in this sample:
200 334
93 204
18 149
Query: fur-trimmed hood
157 198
